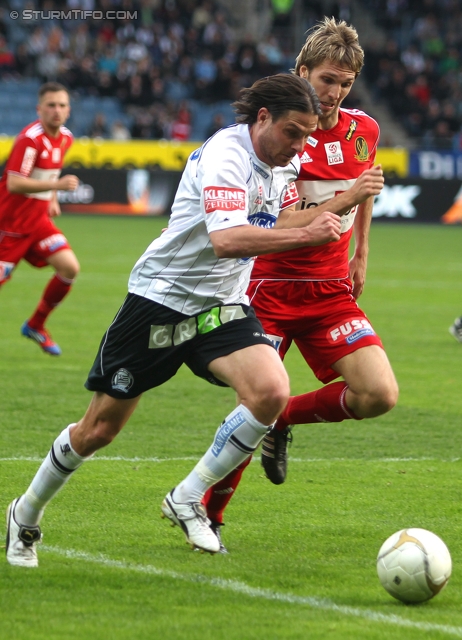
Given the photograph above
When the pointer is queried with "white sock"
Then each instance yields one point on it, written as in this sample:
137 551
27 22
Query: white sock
237 438
54 472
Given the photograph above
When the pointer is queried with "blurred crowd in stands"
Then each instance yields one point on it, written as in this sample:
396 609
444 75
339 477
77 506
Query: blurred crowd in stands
173 51
160 56
419 72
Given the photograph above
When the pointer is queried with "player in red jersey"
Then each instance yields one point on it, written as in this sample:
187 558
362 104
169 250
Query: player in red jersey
308 296
28 202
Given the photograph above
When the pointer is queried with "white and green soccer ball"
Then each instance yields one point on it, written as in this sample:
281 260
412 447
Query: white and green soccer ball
414 565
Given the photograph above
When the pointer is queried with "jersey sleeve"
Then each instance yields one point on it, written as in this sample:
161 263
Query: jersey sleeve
223 186
69 141
291 173
375 137
23 157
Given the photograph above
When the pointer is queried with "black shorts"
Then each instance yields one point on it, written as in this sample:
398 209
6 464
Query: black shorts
147 343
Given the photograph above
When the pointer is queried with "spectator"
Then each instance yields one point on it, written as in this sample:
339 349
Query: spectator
119 131
413 60
181 125
217 31
105 84
202 15
99 128
48 63
218 122
441 136
137 95
7 61
205 71
224 86
24 65
80 42
85 74
247 61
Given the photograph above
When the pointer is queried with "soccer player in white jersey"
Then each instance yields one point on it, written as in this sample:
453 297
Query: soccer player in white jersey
187 303
28 204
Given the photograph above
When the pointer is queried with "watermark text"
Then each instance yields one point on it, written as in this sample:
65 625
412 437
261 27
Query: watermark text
73 14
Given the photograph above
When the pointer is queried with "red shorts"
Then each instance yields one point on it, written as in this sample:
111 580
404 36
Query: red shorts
322 318
35 248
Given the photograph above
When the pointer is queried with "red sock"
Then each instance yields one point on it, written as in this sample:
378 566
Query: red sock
218 496
55 291
324 405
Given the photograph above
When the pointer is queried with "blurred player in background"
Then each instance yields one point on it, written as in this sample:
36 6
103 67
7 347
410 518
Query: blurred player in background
187 304
28 202
308 295
456 329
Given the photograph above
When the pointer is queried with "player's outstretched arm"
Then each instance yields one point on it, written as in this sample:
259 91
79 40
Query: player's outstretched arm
248 240
368 184
20 184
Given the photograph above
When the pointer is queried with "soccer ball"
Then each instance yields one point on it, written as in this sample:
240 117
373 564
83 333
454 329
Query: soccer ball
414 565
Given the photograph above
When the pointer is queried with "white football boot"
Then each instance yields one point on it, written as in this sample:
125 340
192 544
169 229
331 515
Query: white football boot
192 518
21 540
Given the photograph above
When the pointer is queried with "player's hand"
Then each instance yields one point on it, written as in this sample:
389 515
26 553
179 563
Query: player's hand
325 228
370 183
67 183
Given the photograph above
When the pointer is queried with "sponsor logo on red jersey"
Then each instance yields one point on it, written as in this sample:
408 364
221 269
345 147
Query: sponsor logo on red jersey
350 331
224 199
334 152
351 130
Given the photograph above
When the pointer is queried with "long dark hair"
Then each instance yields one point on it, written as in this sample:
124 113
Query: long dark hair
279 94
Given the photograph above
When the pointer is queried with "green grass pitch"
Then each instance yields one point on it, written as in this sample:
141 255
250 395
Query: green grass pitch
302 555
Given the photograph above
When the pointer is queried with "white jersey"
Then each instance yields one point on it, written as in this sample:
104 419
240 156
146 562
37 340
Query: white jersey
224 185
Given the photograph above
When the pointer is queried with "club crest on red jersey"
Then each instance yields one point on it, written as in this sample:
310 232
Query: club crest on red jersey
362 150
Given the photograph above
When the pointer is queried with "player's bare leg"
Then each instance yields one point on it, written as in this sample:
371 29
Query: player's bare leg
369 390
103 420
66 268
257 375
372 387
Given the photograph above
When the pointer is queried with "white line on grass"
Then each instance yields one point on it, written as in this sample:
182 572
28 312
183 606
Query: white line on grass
255 592
255 459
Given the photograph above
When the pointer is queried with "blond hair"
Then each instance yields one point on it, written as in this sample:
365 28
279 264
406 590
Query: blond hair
333 41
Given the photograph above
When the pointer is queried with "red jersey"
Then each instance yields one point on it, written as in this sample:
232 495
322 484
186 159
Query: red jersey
330 164
36 155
